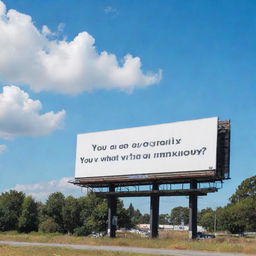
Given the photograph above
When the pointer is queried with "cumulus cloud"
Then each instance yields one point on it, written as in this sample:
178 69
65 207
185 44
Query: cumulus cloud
3 148
41 191
20 115
32 57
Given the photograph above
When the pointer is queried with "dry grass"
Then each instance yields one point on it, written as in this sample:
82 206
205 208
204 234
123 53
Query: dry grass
48 251
167 240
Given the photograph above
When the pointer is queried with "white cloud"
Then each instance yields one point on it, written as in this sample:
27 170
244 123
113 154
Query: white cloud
3 148
41 191
110 9
30 57
19 115
47 32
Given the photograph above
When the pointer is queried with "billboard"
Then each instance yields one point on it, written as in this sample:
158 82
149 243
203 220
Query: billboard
157 149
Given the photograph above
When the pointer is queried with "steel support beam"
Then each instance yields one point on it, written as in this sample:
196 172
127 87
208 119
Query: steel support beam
173 192
154 212
193 212
112 218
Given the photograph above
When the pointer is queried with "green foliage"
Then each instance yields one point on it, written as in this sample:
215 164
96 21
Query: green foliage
94 213
42 214
164 219
134 215
207 221
49 226
59 214
239 217
240 214
246 189
71 214
205 218
179 215
232 219
86 214
28 220
145 218
204 211
10 209
82 231
99 217
54 208
249 208
210 219
124 220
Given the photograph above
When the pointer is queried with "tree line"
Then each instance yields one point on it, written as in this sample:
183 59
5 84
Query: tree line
238 216
78 216
81 216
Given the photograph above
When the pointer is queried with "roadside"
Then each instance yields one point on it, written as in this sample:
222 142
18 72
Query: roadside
123 249
168 241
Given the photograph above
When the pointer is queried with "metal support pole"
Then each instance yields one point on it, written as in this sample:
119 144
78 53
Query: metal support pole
193 212
112 218
154 213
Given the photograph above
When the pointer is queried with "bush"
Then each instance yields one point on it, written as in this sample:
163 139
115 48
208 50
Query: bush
82 231
49 226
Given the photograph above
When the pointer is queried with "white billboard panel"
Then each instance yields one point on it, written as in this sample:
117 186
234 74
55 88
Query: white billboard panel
165 148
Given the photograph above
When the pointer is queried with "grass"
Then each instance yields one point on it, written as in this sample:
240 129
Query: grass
167 240
48 251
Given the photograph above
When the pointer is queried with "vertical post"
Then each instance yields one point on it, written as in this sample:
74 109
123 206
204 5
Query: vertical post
112 201
154 213
193 212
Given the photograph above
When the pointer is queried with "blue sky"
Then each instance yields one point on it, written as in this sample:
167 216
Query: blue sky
184 60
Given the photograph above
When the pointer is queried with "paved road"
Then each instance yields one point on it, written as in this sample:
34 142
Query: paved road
126 249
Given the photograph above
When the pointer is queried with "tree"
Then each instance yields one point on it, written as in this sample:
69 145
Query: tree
3 218
10 209
49 226
204 211
94 213
249 209
42 214
246 189
28 220
54 208
207 220
134 215
233 219
164 219
145 218
71 214
239 217
240 214
179 215
99 217
210 219
124 220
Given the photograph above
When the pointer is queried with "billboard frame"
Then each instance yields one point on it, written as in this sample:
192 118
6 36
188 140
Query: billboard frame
222 171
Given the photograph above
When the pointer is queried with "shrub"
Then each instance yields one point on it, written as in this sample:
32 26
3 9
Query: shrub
49 226
82 231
